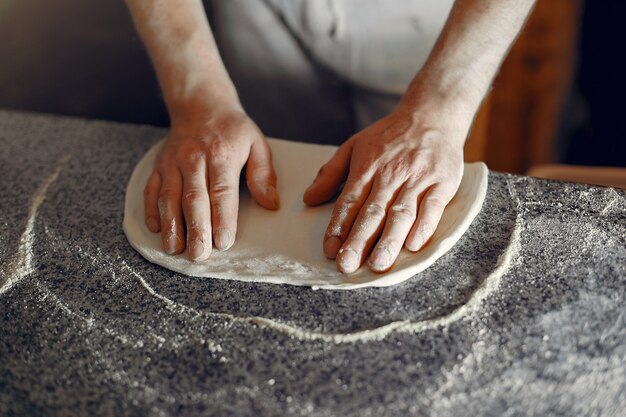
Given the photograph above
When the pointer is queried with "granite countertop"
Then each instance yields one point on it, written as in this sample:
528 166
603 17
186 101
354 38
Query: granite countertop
526 315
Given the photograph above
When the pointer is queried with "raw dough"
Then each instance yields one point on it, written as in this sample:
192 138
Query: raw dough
285 246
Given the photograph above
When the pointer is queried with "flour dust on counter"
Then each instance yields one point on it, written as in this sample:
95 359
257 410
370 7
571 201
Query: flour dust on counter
285 246
21 263
487 287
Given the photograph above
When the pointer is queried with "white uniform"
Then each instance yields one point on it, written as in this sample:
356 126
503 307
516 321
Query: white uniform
319 70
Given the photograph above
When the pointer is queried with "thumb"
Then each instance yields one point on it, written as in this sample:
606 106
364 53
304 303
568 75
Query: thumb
330 177
261 177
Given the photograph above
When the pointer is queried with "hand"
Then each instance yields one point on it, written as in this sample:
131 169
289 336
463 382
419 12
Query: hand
399 173
193 191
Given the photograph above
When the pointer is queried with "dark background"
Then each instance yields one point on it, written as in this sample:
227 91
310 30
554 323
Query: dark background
83 58
594 122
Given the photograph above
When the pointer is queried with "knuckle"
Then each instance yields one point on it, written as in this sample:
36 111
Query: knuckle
375 210
402 211
348 199
333 230
419 173
413 183
220 150
191 159
435 203
393 169
167 194
192 195
196 229
221 190
426 230
392 244
385 177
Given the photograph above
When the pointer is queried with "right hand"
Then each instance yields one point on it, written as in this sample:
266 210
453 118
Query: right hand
192 196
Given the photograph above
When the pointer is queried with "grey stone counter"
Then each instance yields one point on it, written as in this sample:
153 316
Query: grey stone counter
89 328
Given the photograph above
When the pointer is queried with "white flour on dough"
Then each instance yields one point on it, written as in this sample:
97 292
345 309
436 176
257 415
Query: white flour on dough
285 246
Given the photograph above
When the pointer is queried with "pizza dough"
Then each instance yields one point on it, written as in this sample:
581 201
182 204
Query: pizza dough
285 246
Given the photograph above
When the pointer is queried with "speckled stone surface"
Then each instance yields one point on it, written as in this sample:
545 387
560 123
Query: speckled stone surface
89 328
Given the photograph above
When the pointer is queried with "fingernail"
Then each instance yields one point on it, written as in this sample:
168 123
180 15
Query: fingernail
196 249
152 224
223 239
170 244
417 242
331 247
380 259
348 260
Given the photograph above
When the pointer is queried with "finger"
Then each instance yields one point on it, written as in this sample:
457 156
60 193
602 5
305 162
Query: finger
151 202
400 218
429 213
224 196
367 226
330 177
344 213
197 209
172 228
261 177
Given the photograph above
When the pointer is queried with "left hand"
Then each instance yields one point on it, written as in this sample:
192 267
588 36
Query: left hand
399 173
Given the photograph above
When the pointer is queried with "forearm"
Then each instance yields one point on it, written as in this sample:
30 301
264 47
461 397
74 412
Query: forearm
467 55
179 41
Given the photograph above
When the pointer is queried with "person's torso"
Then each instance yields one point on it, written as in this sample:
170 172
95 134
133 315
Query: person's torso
377 44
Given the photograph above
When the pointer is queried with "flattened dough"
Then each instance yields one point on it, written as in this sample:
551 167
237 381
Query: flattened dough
285 246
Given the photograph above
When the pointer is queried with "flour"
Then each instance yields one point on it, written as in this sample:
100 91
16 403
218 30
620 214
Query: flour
487 287
285 246
21 264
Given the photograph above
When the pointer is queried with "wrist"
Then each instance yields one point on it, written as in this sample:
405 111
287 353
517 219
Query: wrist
439 101
194 79
445 87
202 103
